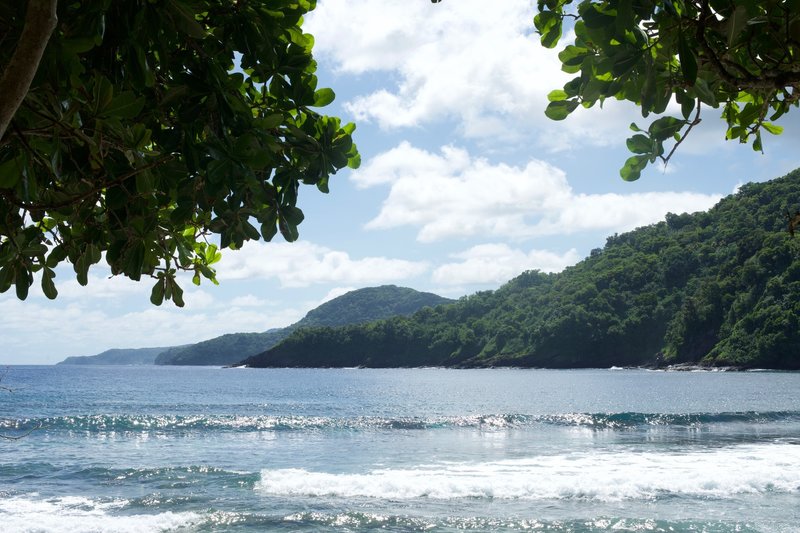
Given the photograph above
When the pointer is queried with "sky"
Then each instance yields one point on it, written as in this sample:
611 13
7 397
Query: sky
464 184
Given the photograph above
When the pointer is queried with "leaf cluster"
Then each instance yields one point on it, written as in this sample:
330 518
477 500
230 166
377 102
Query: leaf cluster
742 56
153 125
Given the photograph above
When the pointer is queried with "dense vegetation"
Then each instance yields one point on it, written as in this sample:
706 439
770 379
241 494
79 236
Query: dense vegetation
142 128
117 356
355 307
717 288
741 56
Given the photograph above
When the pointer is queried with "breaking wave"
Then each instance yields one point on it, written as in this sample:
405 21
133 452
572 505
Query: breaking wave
719 473
195 423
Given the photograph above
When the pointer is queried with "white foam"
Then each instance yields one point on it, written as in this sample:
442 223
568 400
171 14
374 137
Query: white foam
601 476
23 514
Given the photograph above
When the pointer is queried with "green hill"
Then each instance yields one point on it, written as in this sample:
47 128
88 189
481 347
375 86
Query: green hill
355 307
117 356
717 288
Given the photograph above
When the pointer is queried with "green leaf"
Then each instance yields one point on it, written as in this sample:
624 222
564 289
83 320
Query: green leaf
212 254
573 56
177 293
757 146
218 171
594 18
48 287
22 283
269 230
705 93
687 106
624 63
157 294
633 167
640 144
561 109
81 268
323 97
103 93
134 260
548 25
10 173
557 95
665 127
271 121
688 61
551 37
125 105
288 230
183 16
6 277
354 161
772 128
292 214
57 254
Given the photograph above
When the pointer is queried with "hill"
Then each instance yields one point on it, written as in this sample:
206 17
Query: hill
362 305
117 356
717 288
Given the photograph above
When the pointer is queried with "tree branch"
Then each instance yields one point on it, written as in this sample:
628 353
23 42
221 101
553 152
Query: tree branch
40 21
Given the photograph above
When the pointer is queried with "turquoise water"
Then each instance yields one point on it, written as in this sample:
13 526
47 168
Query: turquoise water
209 449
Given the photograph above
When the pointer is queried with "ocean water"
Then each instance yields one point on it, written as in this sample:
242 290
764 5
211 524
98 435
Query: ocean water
144 449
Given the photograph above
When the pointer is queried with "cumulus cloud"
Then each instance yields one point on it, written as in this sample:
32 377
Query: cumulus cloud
301 264
452 194
477 62
497 263
335 293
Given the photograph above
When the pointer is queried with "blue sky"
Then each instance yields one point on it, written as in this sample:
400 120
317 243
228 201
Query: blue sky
464 184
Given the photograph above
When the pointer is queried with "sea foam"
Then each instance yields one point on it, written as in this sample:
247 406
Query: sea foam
600 476
73 514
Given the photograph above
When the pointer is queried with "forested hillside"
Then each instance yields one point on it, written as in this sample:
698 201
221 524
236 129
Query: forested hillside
717 288
362 305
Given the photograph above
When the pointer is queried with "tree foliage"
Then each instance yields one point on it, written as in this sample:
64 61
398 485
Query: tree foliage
740 56
716 288
151 125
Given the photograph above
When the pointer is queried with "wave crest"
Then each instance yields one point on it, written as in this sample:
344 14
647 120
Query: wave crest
100 423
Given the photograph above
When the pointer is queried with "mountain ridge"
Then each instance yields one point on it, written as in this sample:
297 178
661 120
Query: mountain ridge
354 307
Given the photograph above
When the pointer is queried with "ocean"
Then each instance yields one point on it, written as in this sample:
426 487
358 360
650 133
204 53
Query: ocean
191 449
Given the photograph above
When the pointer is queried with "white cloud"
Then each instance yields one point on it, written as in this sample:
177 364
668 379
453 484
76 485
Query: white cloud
451 194
248 301
475 61
301 264
101 285
497 263
335 293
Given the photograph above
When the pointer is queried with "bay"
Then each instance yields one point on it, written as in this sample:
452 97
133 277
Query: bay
211 449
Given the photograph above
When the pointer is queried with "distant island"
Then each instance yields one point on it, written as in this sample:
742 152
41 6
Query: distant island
719 289
354 307
117 356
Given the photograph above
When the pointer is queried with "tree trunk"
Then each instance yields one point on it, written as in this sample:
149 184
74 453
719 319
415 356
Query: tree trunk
40 21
